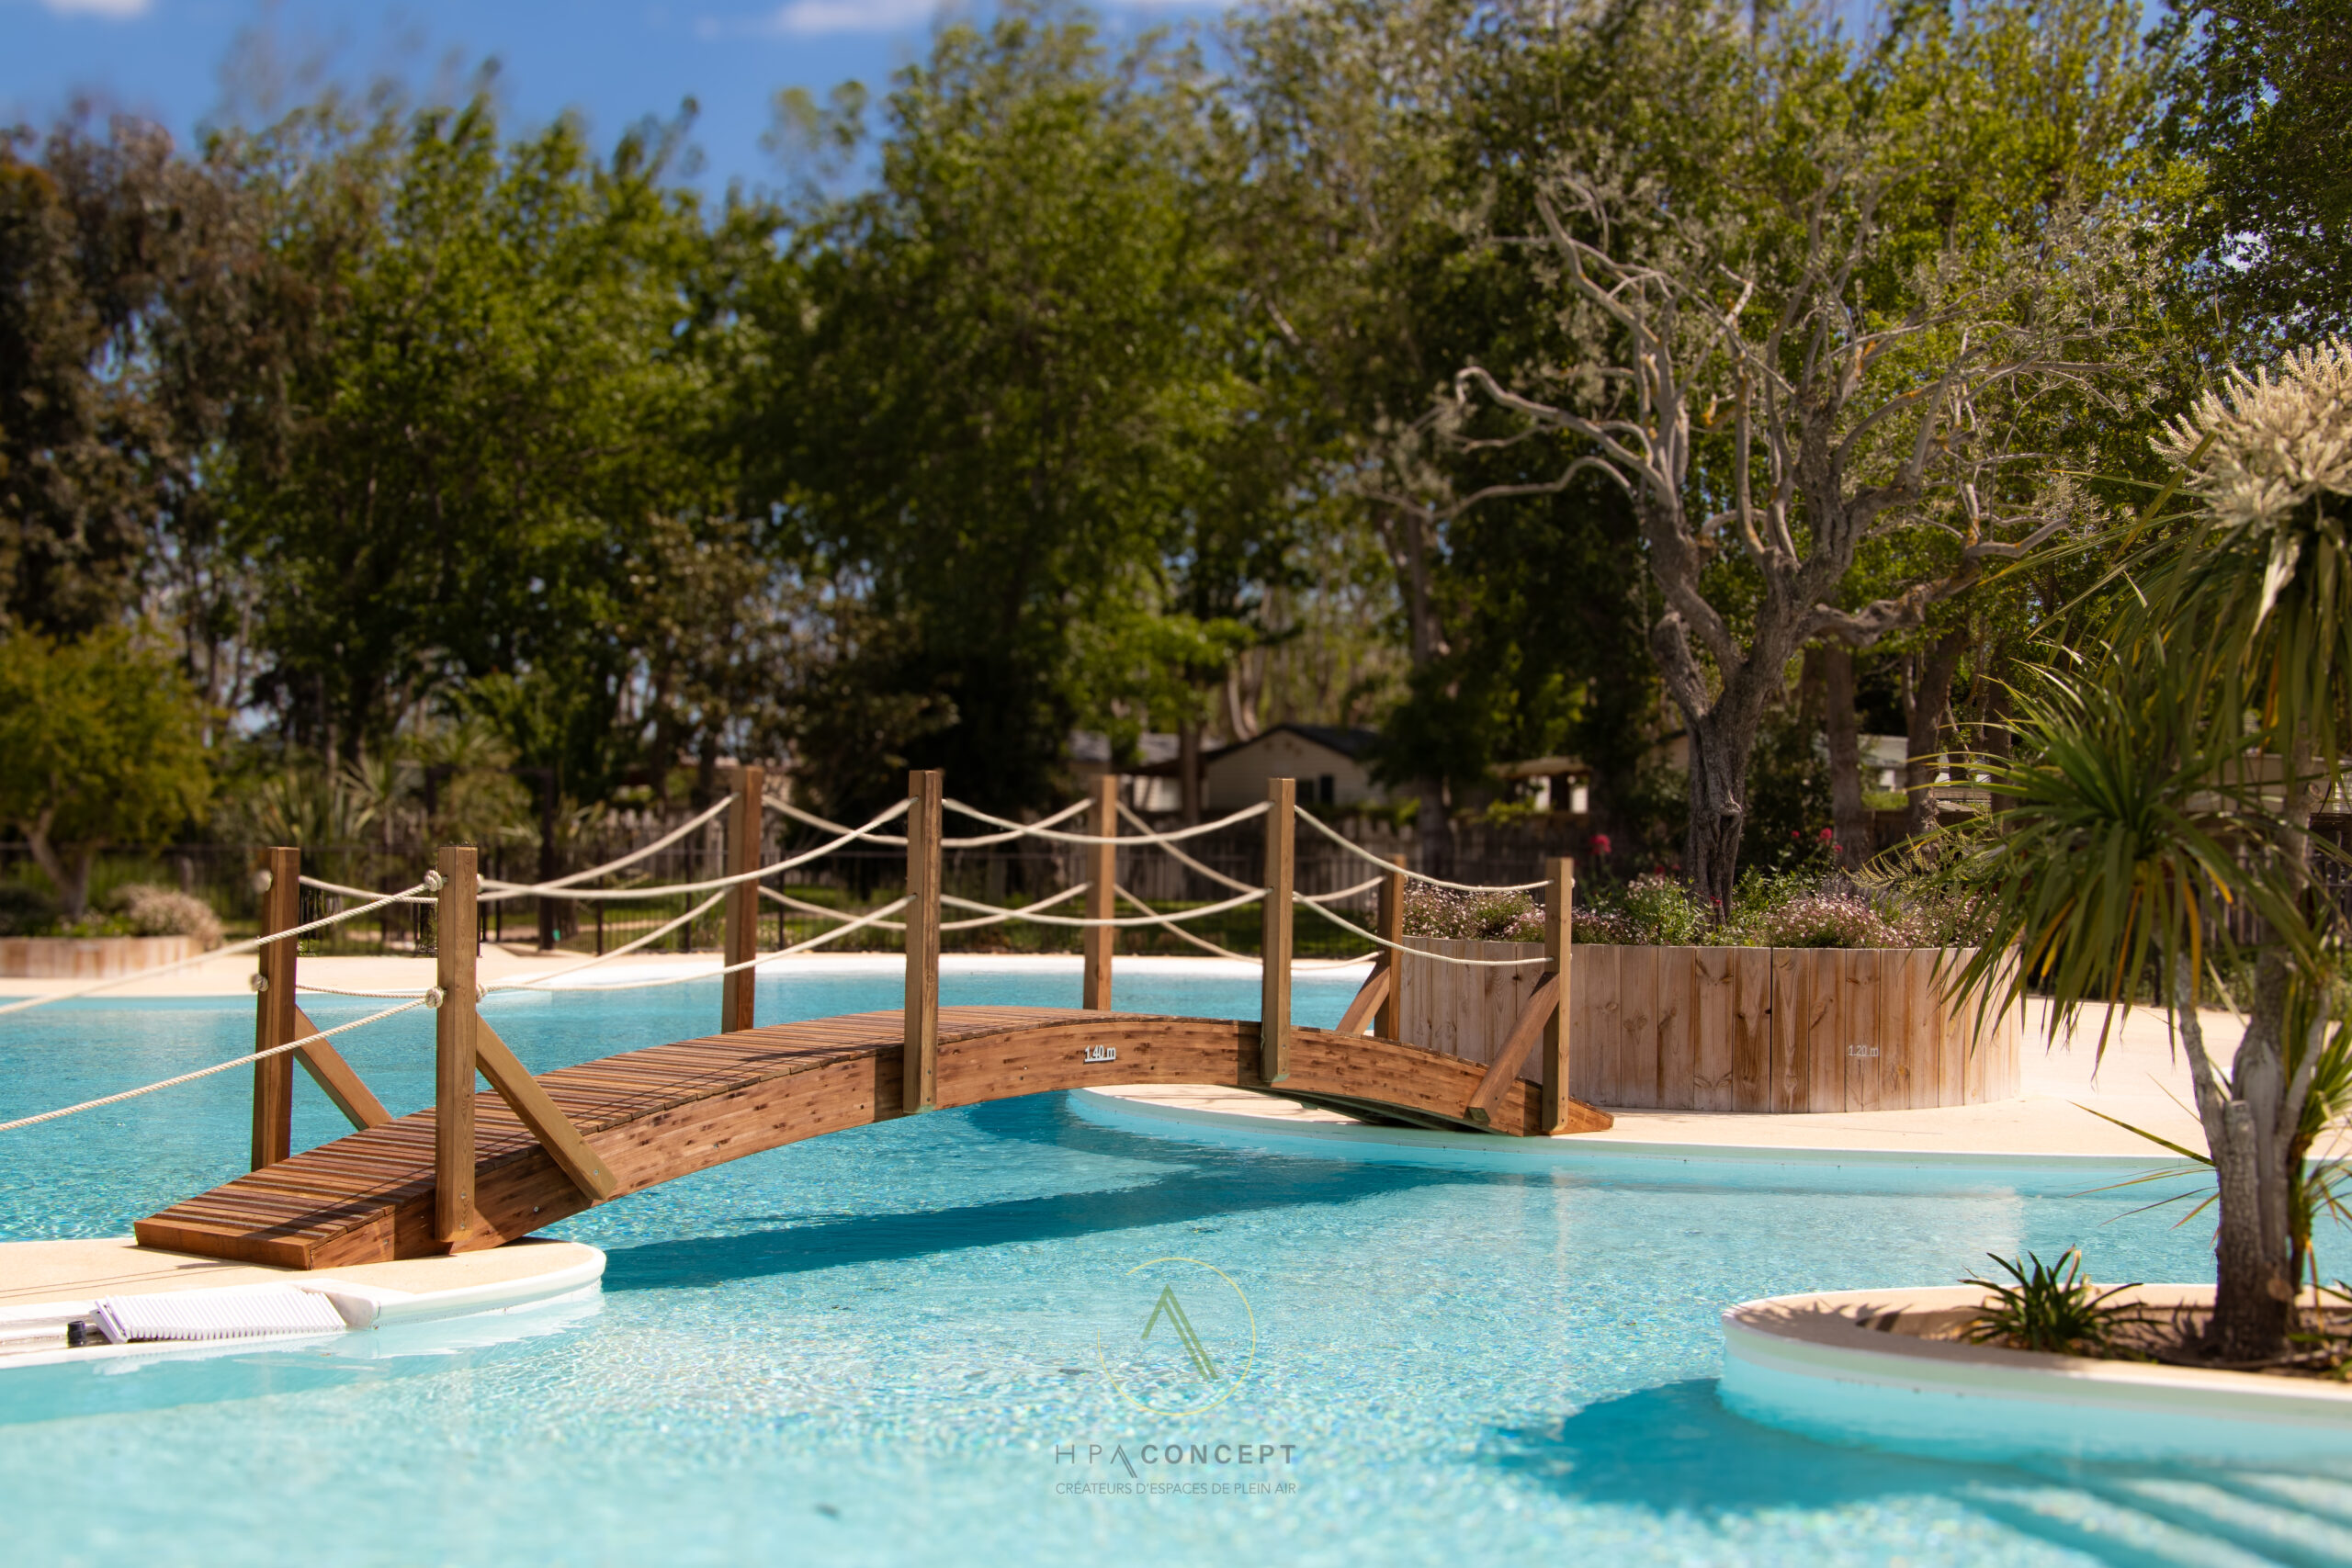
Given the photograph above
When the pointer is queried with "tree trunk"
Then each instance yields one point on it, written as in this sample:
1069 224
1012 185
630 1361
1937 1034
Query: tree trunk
2252 1136
1188 771
67 866
1721 741
1928 704
1842 730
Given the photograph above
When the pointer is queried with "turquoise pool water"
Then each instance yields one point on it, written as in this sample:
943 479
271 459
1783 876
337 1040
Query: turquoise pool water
918 1343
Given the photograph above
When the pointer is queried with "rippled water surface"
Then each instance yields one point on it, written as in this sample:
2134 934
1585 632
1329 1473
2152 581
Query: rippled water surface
918 1343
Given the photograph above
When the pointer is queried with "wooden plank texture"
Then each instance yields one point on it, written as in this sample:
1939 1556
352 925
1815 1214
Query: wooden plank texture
335 1078
455 1152
920 1044
1751 1029
1273 994
274 1007
1712 998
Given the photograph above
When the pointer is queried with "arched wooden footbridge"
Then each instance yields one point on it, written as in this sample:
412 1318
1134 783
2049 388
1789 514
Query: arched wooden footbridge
652 1115
479 1168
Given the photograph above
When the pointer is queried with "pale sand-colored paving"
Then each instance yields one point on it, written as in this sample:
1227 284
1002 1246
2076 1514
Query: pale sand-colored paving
2142 1080
32 1272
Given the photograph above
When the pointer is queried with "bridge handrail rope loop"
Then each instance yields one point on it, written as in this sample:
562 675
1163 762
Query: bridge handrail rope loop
1339 920
877 917
1121 922
1019 831
1039 830
246 1060
656 934
1357 891
231 950
1179 856
1207 946
609 866
1367 856
824 825
563 888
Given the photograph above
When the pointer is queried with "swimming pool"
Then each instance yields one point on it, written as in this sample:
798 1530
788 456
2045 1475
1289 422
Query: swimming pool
914 1342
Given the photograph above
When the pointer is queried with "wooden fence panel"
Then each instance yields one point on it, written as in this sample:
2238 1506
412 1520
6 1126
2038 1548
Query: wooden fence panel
1751 1027
1713 998
1861 1028
1677 1056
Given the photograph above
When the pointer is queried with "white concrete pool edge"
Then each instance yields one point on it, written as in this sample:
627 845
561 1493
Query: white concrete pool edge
1417 1145
522 1276
1808 1364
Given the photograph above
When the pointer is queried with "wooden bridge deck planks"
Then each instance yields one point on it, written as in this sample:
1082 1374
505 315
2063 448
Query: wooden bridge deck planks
668 1110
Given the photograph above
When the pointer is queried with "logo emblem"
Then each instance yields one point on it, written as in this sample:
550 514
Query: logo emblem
1197 1341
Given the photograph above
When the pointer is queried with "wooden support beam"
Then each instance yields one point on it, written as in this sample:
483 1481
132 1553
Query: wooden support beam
1559 935
453 1029
919 1082
279 872
534 1107
1102 876
335 1079
1273 1009
1503 1071
1372 998
744 829
1391 1024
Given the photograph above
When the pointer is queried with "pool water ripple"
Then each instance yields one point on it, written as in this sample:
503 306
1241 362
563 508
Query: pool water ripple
885 1347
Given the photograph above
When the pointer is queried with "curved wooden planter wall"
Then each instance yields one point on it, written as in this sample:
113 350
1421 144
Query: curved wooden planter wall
88 958
1756 1029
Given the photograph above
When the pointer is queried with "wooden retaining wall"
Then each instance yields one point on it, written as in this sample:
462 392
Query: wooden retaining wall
88 958
1756 1029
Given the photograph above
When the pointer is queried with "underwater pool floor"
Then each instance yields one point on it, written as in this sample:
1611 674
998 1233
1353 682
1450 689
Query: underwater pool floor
925 1342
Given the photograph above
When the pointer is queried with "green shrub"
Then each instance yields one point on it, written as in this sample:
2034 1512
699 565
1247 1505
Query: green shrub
2051 1308
25 910
152 911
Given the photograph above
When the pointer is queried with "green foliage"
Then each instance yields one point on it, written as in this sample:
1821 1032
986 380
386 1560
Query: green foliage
2050 1308
1471 916
101 742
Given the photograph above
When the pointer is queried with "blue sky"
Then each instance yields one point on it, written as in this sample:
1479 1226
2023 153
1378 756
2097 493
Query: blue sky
185 62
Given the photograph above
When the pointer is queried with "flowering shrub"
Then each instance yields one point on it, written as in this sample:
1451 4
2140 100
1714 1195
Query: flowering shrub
161 911
1471 916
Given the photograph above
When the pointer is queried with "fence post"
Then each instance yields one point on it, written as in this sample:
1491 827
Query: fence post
453 1044
744 828
1389 1021
1559 936
280 875
1102 876
1273 1010
919 1077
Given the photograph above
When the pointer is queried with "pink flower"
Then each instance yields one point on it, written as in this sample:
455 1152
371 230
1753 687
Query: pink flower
1827 834
1600 844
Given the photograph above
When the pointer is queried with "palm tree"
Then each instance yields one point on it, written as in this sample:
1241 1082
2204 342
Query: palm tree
2173 778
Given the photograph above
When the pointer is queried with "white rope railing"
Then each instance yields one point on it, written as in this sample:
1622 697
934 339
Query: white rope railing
1019 831
1180 857
664 890
824 826
1341 921
245 1060
1207 946
517 890
1357 891
1121 922
1366 855
876 917
1039 830
656 934
252 944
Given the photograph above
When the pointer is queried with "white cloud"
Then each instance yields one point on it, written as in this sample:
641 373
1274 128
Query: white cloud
809 17
115 10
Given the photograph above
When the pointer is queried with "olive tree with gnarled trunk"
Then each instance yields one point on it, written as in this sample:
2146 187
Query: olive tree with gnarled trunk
1772 395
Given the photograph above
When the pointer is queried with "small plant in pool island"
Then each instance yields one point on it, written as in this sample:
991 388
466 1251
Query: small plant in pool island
2049 1307
2172 778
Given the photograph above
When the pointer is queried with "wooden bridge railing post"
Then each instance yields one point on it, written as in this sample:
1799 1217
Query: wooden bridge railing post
1102 877
918 1080
1559 935
1390 1021
280 875
1273 1010
738 997
457 922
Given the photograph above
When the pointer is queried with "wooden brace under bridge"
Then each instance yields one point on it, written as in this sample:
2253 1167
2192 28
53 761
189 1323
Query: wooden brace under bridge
479 1169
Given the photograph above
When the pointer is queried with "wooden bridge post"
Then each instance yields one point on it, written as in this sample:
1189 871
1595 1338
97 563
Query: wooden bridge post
1389 1023
919 1077
1273 1010
1559 933
736 996
275 1009
458 918
1102 876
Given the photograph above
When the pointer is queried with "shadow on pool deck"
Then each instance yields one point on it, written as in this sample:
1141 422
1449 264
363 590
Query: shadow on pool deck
1675 1449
